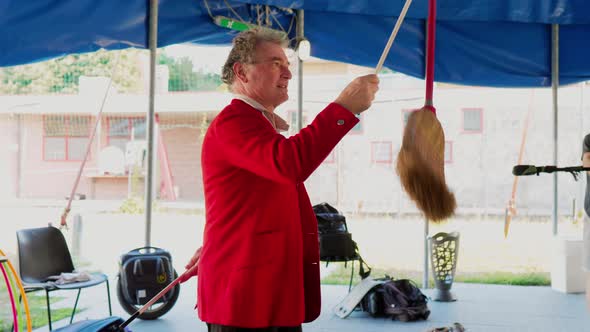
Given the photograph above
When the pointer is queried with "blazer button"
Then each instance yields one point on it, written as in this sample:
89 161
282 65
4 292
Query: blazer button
340 122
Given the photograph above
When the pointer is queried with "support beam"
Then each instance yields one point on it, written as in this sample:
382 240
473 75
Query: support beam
554 88
153 45
300 36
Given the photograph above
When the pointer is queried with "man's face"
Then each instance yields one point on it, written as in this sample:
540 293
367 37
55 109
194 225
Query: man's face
268 77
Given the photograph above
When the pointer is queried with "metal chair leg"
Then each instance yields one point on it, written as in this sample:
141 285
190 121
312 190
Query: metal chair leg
75 305
48 309
109 298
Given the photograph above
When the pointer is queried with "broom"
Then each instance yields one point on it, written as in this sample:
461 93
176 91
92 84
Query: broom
420 162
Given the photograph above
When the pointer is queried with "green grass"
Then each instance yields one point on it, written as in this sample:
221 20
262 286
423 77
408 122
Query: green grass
506 278
341 276
38 310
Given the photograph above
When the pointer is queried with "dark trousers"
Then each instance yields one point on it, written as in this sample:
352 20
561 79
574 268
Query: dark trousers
223 328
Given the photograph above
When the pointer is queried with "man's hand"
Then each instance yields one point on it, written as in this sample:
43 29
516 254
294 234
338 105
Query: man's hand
192 268
359 94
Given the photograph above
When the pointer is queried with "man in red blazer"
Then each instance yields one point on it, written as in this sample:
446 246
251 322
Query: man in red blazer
259 264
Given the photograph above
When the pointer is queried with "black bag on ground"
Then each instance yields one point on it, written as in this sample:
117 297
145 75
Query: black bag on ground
143 273
336 242
399 299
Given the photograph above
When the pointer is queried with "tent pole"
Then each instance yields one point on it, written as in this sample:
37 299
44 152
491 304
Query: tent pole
554 87
300 35
153 44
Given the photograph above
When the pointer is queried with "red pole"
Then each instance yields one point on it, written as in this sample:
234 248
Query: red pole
430 39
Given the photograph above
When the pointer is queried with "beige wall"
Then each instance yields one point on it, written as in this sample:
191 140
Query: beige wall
48 179
8 156
184 154
55 179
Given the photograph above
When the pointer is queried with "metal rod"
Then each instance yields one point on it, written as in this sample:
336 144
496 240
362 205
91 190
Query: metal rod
554 87
574 209
153 44
300 36
429 52
398 24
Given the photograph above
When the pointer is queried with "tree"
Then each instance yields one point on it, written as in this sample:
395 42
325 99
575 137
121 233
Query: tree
62 75
184 78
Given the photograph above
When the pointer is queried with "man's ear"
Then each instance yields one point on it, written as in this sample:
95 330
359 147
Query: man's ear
240 72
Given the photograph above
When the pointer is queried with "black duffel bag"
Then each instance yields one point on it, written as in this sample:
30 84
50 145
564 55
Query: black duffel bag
398 299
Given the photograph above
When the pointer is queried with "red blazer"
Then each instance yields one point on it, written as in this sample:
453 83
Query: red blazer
259 265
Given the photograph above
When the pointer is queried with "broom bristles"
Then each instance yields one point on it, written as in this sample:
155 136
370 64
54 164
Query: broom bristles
420 166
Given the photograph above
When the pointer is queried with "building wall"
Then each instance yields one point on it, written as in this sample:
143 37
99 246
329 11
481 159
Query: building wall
8 156
184 153
48 179
479 171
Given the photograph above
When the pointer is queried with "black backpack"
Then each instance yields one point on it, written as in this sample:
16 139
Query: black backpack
336 242
399 299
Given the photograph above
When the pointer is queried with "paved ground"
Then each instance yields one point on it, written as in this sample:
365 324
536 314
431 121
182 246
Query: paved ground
105 236
481 308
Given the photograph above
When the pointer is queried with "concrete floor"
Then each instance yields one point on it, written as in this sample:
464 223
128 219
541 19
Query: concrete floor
482 308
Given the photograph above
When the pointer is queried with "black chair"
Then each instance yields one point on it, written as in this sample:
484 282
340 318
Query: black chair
42 253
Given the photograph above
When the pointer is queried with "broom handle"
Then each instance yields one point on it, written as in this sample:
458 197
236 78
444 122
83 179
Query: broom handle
430 38
398 24
151 302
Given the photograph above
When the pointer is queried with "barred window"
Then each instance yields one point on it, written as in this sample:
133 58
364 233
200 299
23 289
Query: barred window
472 120
122 130
65 137
381 152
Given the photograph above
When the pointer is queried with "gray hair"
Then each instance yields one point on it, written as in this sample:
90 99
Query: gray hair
244 49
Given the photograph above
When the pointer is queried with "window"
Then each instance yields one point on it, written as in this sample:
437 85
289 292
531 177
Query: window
381 152
123 130
358 128
472 120
448 152
65 137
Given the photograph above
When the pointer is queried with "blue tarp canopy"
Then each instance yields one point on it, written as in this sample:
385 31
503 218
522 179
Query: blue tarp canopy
478 42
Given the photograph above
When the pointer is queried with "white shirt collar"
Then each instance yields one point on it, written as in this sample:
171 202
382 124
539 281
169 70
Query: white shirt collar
255 105
251 102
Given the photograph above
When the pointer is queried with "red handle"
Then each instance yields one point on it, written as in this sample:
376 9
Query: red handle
430 39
